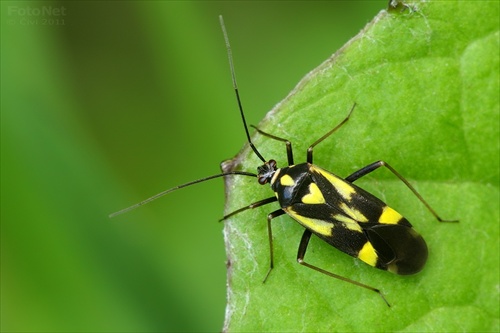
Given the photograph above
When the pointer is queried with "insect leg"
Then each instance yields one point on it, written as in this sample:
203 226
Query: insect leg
289 152
304 242
310 149
271 216
374 166
252 205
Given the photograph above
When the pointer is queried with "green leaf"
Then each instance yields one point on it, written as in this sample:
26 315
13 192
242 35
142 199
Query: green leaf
425 78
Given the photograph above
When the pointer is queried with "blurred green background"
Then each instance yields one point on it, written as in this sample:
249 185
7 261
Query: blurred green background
104 104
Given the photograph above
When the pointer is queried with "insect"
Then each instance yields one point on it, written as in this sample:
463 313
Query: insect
330 207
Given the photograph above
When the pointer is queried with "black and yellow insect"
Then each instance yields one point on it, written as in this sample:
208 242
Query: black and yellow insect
332 208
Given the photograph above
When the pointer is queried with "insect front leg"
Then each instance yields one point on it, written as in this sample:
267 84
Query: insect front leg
304 242
271 216
289 151
311 147
374 166
251 206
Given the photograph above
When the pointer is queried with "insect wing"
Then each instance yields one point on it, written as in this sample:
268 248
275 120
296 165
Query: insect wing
357 223
400 248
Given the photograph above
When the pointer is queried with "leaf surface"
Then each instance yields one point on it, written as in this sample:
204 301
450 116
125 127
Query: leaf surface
426 82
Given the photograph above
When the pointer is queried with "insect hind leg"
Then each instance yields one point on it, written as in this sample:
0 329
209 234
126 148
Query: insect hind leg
375 165
304 242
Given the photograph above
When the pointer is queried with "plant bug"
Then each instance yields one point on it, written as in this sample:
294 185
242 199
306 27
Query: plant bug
330 207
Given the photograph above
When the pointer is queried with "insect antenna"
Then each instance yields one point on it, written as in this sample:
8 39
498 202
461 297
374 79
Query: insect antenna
156 196
242 173
235 86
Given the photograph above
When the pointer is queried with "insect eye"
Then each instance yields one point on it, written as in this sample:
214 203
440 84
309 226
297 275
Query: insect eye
262 180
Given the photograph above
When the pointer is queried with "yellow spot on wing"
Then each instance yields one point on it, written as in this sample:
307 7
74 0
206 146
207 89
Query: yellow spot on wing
368 254
348 222
344 189
318 226
286 180
359 216
355 214
314 196
389 216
